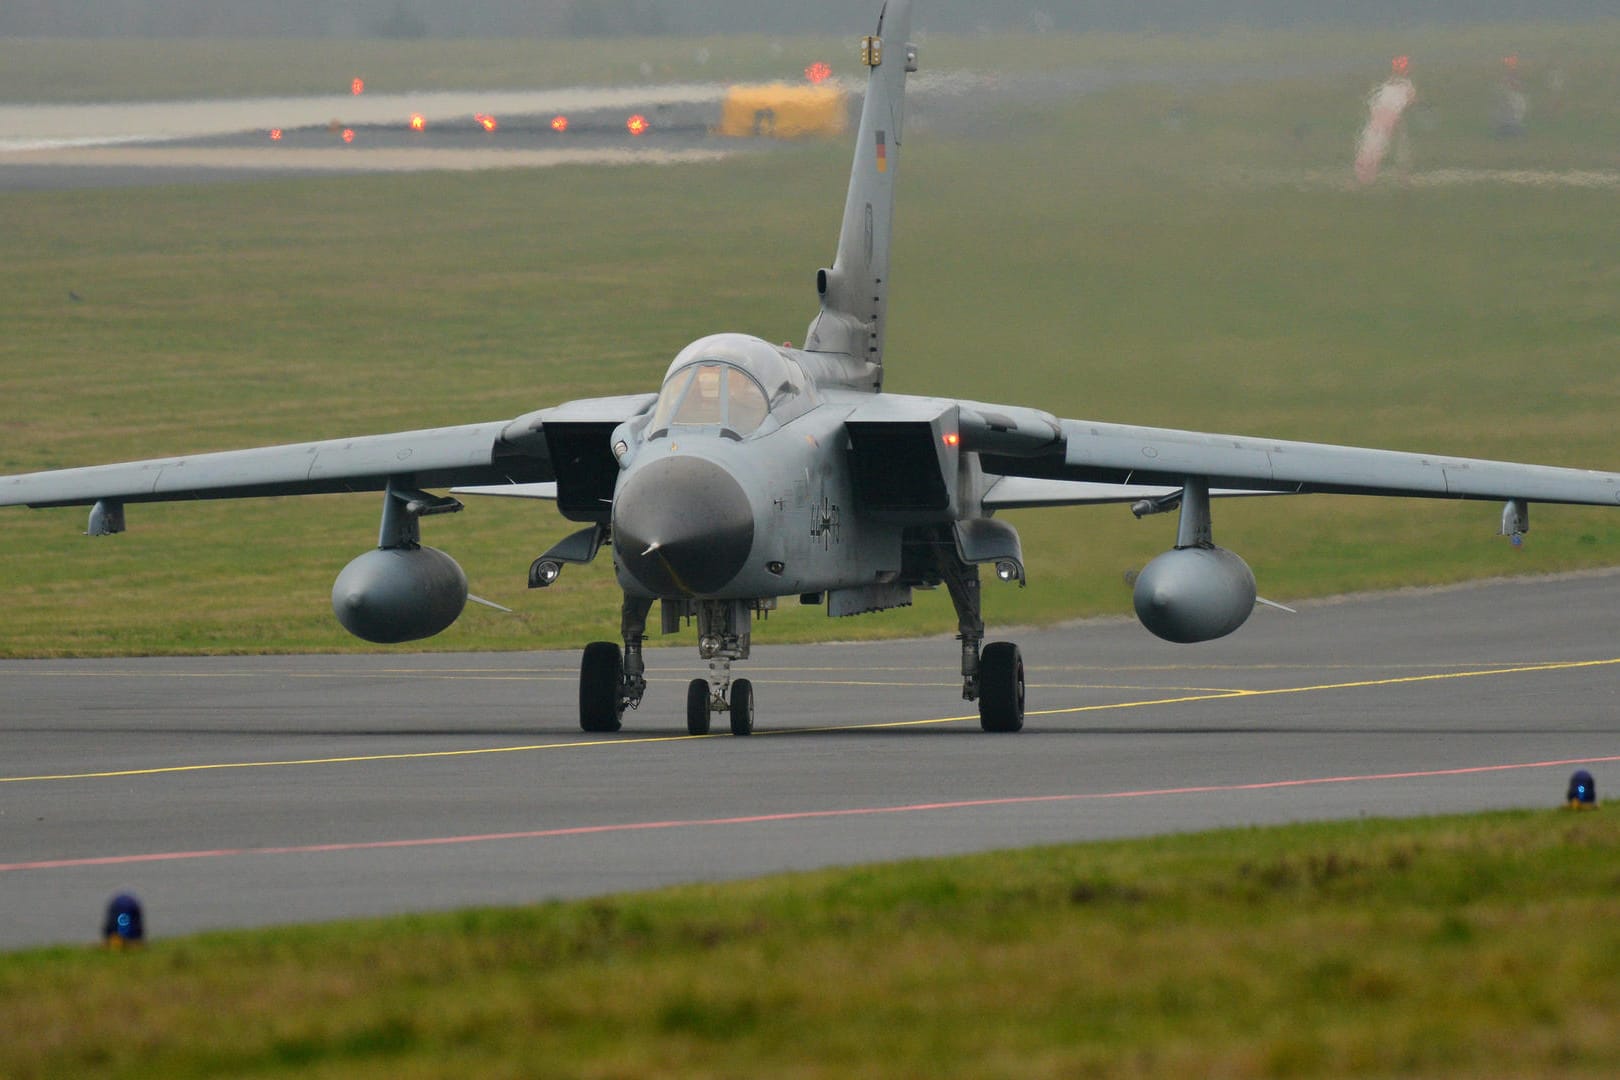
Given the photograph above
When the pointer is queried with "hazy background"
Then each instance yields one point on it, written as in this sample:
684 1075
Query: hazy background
600 18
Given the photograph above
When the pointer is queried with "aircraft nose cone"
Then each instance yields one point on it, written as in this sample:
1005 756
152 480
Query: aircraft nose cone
682 526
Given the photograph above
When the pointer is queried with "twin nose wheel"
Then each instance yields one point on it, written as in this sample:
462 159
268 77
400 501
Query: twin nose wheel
701 707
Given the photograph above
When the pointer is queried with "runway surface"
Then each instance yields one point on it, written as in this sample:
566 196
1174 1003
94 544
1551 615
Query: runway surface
53 147
241 792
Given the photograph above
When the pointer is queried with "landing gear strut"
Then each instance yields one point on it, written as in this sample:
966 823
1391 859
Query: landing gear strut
994 679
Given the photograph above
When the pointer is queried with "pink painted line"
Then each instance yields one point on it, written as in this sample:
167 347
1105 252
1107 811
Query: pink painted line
801 815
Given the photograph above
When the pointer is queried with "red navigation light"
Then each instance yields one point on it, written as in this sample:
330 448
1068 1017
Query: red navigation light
418 122
275 134
952 438
1400 64
348 135
486 121
559 123
818 72
1511 60
637 125
358 86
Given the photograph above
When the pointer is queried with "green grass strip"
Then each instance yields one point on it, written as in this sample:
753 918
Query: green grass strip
1458 946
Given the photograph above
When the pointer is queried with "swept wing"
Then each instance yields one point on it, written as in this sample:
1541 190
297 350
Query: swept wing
525 450
1095 452
1032 458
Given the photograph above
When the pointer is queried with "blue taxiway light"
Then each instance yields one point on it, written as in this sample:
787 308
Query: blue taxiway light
123 926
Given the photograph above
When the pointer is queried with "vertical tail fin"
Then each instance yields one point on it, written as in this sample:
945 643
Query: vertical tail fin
855 290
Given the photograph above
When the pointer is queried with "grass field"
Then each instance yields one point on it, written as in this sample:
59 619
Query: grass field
1477 946
1158 253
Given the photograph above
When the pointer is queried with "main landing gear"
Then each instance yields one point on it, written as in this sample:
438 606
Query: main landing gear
995 677
610 681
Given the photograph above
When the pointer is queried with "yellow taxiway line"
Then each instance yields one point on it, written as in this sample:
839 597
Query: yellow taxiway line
1216 694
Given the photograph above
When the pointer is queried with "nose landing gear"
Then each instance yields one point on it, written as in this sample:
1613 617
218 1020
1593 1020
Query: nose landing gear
724 635
702 704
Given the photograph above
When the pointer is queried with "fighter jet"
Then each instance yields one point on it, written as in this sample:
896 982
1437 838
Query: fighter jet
759 472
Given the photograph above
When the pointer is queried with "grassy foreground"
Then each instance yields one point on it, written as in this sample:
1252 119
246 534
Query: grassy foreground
1158 253
1465 946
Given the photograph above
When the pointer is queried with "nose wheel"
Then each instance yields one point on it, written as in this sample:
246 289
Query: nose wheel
742 707
697 707
702 704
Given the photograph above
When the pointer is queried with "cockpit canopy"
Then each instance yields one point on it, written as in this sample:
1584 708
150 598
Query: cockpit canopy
733 382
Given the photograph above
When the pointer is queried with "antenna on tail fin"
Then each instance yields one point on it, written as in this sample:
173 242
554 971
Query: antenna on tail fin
855 289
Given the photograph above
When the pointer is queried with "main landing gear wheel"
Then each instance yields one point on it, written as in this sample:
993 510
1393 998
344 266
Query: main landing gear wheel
601 672
742 707
697 707
1001 687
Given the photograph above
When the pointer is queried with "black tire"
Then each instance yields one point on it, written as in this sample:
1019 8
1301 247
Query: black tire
697 707
742 707
601 673
1001 687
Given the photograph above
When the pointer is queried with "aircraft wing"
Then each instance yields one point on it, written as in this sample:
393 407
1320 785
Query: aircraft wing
1040 446
1032 458
536 447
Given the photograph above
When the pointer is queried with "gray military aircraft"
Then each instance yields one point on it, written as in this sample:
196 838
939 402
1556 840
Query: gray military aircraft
760 471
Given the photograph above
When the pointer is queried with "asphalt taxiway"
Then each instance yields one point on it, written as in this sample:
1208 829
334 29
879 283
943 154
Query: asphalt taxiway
251 791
